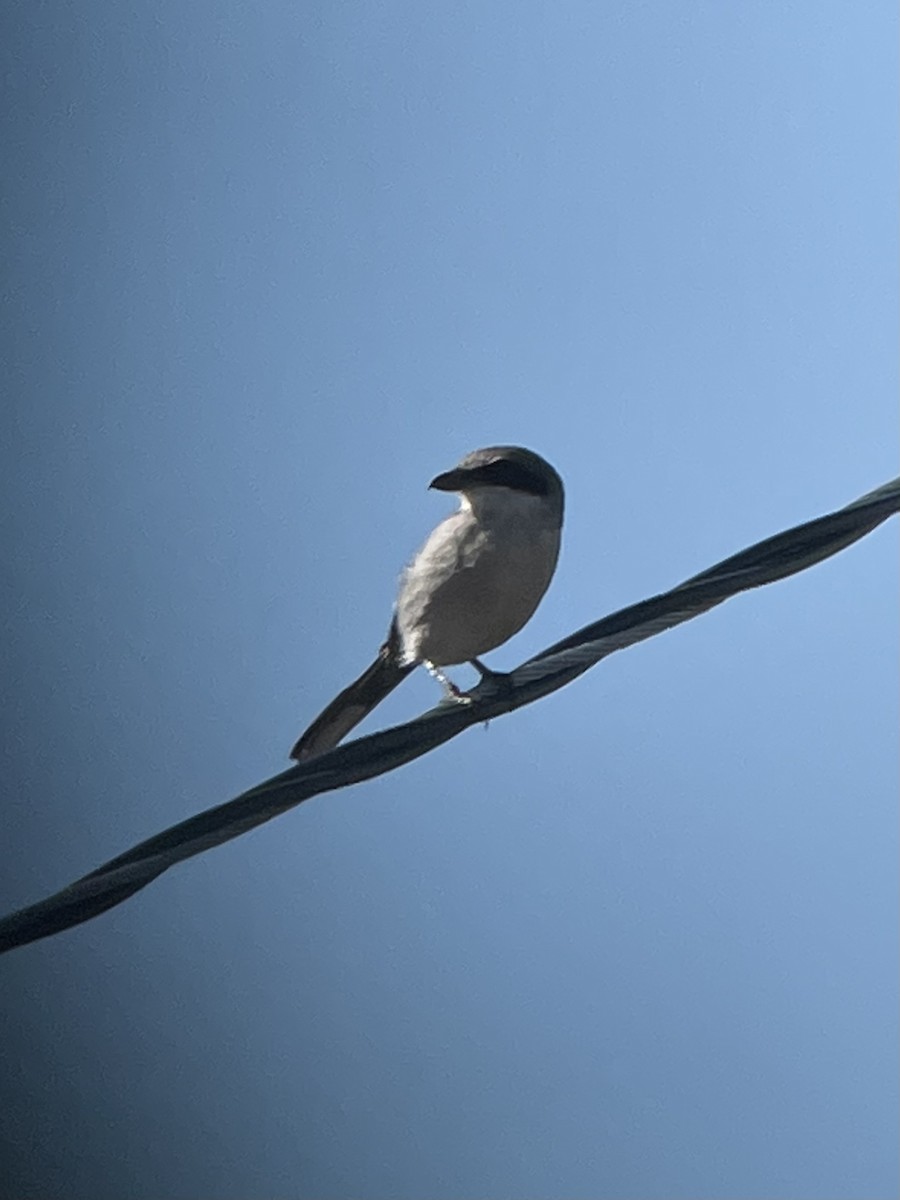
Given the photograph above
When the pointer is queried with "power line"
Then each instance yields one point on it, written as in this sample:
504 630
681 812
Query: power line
775 558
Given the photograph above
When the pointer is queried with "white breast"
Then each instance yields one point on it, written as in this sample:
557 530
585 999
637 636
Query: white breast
479 577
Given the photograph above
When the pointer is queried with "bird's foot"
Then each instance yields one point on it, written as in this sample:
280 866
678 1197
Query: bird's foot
490 680
452 693
485 671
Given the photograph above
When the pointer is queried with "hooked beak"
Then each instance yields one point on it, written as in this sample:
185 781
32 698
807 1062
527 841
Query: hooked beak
451 481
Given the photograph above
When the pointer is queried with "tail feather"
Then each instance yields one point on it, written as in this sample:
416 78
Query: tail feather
349 707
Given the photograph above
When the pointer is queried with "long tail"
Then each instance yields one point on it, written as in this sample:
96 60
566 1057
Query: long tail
349 707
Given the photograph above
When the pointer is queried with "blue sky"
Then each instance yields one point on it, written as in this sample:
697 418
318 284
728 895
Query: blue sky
267 273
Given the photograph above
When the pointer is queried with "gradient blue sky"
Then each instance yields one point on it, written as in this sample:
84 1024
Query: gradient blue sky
267 271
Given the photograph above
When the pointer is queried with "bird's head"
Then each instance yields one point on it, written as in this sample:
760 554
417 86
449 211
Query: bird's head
510 467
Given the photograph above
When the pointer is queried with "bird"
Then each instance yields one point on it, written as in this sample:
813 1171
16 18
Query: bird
476 581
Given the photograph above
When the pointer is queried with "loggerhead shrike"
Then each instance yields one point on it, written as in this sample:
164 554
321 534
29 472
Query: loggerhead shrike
474 583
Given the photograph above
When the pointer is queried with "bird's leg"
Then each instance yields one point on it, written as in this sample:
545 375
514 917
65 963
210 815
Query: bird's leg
484 671
492 681
451 691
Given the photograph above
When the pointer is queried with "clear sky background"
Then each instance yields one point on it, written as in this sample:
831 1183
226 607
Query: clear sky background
267 270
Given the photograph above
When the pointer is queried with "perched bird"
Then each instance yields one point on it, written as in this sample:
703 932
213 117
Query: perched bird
474 583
